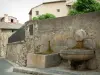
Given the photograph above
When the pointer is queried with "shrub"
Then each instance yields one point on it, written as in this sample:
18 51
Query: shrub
44 16
84 6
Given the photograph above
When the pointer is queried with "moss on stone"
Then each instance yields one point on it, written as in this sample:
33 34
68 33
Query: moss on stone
49 50
79 45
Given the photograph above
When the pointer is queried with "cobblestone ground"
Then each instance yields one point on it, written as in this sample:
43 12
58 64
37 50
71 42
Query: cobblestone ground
6 68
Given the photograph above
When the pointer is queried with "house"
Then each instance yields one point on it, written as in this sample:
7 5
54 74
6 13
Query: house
6 30
57 7
8 19
8 26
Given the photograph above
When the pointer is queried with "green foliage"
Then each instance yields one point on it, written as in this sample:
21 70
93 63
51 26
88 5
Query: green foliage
44 16
35 18
84 6
74 12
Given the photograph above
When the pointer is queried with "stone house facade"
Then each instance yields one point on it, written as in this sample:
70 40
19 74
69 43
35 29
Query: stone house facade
6 30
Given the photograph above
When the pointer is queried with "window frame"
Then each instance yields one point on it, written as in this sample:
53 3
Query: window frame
58 10
12 20
31 29
37 12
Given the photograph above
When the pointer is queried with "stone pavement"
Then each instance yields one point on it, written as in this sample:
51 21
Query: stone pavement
52 71
7 69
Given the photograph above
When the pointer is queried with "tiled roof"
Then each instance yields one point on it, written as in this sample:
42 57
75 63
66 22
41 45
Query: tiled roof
4 25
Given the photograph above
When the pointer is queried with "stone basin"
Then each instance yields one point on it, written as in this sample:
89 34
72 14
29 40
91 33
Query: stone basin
77 54
42 60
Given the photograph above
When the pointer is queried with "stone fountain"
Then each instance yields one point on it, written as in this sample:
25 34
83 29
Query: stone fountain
82 52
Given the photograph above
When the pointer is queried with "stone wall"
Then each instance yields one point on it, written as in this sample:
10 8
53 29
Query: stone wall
16 52
58 31
4 35
18 36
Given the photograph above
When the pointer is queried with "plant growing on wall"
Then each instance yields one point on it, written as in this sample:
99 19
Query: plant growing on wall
35 18
49 50
84 6
44 16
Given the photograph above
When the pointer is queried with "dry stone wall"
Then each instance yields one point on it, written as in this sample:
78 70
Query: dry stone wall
16 52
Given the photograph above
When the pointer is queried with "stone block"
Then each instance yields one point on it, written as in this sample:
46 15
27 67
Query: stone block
77 54
43 60
80 35
71 43
90 44
92 64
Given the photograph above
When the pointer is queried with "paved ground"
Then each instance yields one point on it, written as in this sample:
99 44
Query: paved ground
53 71
6 68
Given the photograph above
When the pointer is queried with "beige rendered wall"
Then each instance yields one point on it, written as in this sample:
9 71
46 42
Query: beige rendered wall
51 8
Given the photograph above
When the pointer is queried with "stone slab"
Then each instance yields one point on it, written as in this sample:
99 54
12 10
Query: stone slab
92 64
52 71
43 60
77 51
90 44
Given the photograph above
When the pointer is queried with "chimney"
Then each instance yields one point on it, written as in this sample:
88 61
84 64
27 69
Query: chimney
5 17
5 14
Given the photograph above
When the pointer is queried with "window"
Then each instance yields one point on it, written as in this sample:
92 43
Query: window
12 20
37 12
12 30
31 29
69 6
58 10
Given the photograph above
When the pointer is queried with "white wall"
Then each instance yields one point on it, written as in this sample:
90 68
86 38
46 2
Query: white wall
51 8
8 19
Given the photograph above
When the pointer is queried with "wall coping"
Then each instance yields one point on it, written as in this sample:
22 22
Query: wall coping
18 42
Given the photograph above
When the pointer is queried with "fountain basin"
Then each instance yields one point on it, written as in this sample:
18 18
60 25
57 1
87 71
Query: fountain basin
42 60
77 54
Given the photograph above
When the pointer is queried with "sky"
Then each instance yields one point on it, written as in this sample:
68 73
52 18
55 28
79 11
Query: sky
18 8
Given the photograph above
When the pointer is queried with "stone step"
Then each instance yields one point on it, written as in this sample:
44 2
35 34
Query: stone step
52 71
35 71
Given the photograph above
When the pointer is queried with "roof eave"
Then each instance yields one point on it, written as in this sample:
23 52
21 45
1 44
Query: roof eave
54 2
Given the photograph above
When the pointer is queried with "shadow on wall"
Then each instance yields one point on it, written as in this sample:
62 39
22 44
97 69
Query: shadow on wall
19 35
